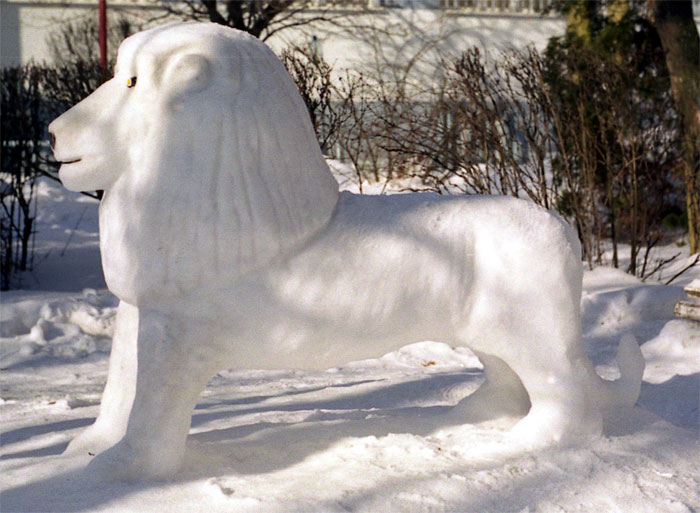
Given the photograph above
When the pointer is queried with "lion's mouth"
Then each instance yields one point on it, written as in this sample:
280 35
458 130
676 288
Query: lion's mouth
70 161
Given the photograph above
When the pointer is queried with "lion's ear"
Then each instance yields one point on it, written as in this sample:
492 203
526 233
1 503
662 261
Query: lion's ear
189 73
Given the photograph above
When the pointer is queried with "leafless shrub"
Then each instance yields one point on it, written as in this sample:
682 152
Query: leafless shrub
260 18
32 96
23 128
329 105
342 107
618 150
575 132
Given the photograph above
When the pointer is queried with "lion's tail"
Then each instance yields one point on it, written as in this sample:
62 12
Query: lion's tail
624 391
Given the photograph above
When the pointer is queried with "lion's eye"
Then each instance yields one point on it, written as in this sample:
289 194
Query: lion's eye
131 82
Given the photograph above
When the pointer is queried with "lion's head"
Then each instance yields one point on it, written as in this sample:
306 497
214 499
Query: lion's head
207 157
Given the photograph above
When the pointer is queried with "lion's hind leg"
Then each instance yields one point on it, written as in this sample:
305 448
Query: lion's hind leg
535 329
542 343
553 368
561 410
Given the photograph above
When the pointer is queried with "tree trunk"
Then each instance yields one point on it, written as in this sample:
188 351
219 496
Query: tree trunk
681 43
26 241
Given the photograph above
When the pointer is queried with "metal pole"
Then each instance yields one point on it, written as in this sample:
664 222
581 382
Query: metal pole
103 33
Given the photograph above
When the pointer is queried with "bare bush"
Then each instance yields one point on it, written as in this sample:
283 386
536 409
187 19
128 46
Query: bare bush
260 18
342 107
77 71
326 102
619 147
23 131
587 134
32 96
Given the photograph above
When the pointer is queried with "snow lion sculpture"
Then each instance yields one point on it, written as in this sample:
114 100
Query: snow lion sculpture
224 235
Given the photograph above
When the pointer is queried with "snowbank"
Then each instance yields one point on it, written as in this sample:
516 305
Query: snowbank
65 327
372 435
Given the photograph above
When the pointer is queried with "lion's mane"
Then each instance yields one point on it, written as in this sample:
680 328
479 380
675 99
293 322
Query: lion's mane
222 180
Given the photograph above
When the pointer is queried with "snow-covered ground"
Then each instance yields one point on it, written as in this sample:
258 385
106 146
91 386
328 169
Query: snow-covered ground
375 435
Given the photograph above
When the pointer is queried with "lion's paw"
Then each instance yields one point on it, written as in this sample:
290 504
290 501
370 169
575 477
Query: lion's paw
124 462
92 440
545 427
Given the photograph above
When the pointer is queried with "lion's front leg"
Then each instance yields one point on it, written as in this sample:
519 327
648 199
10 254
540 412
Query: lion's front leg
118 394
172 371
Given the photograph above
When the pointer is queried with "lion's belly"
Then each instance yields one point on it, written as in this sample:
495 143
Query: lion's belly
407 270
305 323
361 289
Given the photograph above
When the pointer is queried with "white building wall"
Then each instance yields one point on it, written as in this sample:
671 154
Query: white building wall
451 26
25 25
398 36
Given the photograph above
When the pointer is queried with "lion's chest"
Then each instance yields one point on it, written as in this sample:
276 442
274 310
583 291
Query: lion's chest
139 259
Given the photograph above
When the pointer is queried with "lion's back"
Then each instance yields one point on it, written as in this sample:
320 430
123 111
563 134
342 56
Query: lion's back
459 218
465 236
415 249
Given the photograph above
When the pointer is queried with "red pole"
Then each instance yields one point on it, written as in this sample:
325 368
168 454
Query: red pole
103 33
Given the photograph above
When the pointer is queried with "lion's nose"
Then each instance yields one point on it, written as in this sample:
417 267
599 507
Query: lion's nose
52 140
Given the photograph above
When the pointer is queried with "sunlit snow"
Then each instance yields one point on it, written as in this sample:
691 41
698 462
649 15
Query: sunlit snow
343 321
372 435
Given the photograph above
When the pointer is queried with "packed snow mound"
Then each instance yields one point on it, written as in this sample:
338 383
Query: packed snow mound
63 327
605 279
628 306
426 356
674 351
